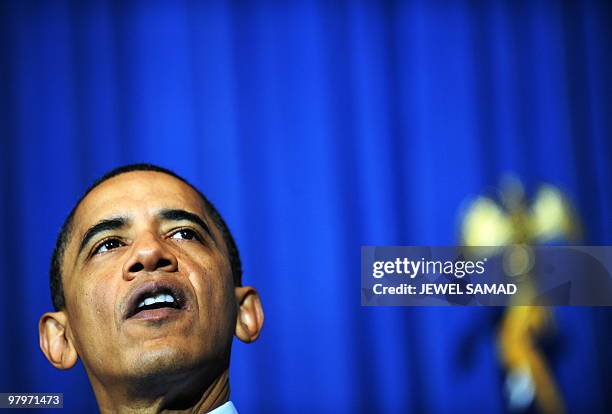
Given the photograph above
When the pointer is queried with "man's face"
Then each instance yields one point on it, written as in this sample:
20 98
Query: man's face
148 289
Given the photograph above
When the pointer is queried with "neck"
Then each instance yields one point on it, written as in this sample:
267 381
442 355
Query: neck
195 395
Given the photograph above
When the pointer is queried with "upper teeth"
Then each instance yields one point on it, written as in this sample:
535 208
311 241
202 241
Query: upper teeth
156 299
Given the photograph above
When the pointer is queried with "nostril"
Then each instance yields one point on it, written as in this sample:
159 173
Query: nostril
147 265
163 263
136 267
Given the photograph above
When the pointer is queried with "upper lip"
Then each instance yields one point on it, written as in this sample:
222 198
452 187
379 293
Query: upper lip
151 288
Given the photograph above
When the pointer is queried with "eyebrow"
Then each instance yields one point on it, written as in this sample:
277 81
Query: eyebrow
102 226
180 215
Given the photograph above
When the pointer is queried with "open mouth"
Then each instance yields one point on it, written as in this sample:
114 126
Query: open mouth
155 300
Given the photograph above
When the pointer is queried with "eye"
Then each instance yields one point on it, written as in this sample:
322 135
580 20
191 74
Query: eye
107 245
185 234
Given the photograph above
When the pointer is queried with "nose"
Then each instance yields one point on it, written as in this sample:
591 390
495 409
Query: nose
149 254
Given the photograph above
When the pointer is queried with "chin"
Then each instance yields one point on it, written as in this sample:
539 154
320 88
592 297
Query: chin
161 361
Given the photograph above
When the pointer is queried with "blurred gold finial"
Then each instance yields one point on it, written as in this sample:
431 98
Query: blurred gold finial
490 226
507 228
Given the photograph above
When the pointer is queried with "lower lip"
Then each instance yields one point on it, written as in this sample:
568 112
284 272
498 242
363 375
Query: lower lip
156 314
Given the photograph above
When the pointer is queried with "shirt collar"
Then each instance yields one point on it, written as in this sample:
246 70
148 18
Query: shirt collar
227 408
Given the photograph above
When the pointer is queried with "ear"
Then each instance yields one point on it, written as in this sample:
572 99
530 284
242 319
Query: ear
54 342
250 314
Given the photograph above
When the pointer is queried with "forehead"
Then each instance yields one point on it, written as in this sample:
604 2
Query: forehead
136 193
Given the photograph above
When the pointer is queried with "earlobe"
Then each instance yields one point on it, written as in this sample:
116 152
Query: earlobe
250 314
54 342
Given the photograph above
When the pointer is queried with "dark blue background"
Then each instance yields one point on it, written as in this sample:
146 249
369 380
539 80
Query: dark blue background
316 127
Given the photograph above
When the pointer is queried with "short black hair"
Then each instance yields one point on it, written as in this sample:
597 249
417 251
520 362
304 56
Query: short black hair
57 290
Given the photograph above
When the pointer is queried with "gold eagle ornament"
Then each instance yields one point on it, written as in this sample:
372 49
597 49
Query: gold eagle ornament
507 228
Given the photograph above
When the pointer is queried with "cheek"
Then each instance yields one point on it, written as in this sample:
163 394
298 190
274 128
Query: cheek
215 292
94 305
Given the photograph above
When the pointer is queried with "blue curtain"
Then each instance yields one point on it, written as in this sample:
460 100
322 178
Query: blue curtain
316 127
